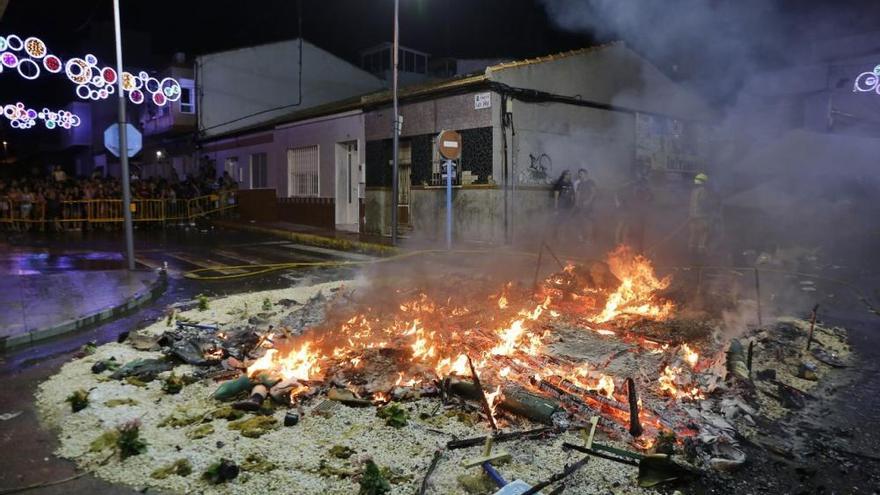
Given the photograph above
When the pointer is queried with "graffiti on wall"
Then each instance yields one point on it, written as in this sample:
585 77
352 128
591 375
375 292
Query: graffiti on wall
668 144
539 170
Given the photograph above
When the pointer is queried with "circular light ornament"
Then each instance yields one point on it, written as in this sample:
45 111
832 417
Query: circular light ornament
35 47
3 44
159 99
91 59
14 42
136 96
52 64
78 71
170 88
9 59
82 91
31 72
151 84
109 75
129 83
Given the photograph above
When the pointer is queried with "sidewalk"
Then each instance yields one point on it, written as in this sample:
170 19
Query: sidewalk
316 236
37 307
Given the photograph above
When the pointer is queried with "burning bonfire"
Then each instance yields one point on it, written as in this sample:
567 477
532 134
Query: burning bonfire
413 344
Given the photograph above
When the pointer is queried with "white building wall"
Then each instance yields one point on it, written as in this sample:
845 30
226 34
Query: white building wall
238 83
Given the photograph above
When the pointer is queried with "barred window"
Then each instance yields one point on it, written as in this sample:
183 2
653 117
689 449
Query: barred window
303 171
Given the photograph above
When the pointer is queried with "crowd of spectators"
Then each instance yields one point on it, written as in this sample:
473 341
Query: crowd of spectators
61 202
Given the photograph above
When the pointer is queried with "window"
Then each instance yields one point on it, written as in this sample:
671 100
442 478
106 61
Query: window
187 96
259 170
303 171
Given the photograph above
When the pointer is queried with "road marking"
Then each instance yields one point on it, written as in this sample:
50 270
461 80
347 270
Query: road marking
207 263
329 252
250 260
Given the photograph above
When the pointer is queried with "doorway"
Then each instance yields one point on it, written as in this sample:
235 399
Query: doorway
348 178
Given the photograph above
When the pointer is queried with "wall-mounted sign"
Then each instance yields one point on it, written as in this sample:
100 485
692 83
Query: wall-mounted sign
449 143
482 100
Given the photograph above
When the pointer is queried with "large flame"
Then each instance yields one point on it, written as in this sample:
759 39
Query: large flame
635 297
505 332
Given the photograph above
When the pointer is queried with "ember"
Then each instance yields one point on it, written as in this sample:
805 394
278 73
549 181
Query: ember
428 336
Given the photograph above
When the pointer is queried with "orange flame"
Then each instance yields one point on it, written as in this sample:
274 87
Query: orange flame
635 295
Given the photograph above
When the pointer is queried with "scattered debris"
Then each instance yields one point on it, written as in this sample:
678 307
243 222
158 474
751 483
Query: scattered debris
78 400
180 467
10 415
221 472
254 427
202 302
372 482
393 414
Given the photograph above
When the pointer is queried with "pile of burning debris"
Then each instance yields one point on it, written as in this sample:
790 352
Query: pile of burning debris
594 345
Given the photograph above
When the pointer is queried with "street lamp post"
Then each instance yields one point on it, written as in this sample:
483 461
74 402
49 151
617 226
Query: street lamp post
396 136
123 145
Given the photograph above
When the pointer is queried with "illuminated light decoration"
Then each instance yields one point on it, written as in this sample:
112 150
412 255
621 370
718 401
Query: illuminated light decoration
170 88
52 64
109 75
136 96
868 81
32 73
14 43
21 117
35 47
92 82
78 71
9 59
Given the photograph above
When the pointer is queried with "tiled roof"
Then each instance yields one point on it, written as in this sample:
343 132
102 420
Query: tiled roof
551 58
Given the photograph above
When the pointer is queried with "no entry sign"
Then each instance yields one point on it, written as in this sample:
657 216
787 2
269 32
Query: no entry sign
450 144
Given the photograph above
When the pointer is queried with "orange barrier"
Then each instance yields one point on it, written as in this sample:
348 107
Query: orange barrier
110 210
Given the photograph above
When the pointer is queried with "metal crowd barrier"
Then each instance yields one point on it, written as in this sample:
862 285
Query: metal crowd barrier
110 210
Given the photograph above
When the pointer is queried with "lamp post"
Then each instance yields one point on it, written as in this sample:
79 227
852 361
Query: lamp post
396 124
123 145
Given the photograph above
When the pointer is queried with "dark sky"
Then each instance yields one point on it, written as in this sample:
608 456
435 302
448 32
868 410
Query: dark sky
155 29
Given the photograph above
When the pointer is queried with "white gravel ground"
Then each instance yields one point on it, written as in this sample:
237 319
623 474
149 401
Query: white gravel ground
298 450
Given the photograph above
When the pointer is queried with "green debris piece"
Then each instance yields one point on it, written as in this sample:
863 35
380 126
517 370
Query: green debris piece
129 442
171 313
393 414
180 467
232 388
200 431
105 441
173 384
257 464
137 382
202 301
476 483
267 304
220 472
179 419
78 400
120 402
254 427
395 476
341 452
462 417
372 482
89 348
656 469
227 413
327 470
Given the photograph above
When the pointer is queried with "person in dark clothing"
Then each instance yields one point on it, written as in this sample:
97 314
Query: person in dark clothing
563 201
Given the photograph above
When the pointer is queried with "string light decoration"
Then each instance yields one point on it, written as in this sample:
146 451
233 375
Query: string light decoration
31 56
868 81
21 117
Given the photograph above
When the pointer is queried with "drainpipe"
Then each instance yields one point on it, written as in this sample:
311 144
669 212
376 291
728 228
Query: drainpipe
505 172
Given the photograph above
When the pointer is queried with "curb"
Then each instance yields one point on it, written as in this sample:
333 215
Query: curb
153 291
314 240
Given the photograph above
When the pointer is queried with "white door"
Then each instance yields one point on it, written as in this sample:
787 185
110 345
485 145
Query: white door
347 179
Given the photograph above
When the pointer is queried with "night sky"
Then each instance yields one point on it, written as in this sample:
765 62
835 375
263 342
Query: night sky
155 30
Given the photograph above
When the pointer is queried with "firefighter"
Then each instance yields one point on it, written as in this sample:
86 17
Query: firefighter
699 215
